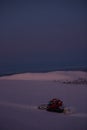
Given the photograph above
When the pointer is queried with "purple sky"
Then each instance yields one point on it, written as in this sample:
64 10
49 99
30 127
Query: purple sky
43 32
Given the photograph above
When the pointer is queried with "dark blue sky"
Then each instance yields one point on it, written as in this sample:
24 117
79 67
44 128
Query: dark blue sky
42 34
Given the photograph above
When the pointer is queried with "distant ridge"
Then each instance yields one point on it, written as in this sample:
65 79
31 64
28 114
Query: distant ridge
44 70
62 76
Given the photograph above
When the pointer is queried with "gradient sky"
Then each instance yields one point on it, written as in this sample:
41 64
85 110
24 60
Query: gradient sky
47 33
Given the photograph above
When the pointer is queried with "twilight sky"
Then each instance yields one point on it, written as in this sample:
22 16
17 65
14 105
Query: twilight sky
42 34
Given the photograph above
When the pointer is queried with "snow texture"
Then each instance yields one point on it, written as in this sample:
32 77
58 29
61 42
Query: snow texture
21 94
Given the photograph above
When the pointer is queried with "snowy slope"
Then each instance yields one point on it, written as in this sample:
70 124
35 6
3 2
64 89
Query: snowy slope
57 75
19 100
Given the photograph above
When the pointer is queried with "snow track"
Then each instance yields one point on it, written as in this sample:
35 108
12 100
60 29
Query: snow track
31 107
18 106
81 115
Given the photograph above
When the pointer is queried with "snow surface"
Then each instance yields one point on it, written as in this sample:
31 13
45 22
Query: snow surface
21 94
57 75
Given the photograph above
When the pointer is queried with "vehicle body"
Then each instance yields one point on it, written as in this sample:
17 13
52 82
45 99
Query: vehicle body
55 105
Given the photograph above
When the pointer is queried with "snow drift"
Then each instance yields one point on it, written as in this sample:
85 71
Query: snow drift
57 75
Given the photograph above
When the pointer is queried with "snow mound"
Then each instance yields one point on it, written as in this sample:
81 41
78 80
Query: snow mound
56 75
